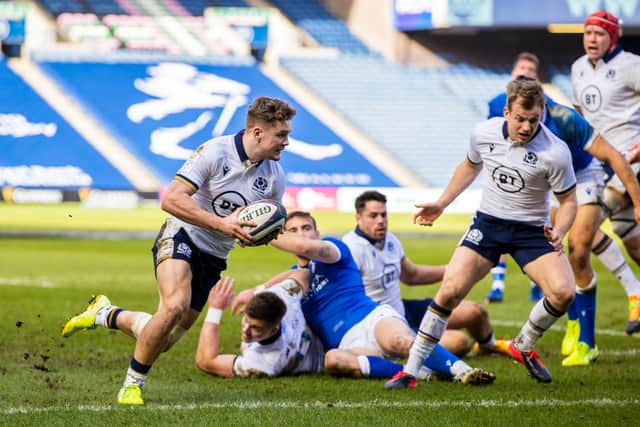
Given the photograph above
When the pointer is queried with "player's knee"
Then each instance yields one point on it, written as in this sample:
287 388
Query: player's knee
478 313
173 310
338 362
397 346
449 296
562 296
579 255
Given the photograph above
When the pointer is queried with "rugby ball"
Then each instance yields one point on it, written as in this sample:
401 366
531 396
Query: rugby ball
269 217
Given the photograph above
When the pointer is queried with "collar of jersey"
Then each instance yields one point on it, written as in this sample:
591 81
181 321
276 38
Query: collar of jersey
272 339
610 55
364 236
505 133
242 153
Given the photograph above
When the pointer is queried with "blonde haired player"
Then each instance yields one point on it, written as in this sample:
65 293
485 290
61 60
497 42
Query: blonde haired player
192 247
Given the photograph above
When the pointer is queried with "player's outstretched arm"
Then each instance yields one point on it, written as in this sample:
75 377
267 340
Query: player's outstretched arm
320 250
602 150
207 357
564 219
416 274
178 202
464 175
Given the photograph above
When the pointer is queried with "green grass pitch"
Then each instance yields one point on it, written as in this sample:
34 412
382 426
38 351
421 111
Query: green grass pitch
47 380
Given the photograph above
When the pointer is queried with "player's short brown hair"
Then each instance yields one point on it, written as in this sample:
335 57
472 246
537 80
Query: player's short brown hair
369 196
301 214
267 307
527 56
268 110
528 91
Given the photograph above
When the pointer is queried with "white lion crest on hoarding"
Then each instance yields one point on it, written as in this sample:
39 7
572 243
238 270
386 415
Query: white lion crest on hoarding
177 87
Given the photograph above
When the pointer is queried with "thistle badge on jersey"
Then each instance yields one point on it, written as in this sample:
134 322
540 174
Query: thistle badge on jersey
530 158
260 185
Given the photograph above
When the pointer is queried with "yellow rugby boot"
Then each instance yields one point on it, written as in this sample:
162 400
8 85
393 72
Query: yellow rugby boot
633 321
86 319
583 355
570 340
130 395
502 347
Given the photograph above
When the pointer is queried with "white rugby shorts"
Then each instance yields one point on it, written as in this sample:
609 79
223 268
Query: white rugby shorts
362 334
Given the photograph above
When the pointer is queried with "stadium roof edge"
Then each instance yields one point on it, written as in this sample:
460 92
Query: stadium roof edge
138 57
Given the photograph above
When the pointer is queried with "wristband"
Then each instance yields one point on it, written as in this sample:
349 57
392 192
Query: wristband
213 316
260 288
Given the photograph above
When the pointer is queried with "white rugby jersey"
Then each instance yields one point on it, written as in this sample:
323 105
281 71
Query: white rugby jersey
225 179
294 350
518 177
379 268
609 96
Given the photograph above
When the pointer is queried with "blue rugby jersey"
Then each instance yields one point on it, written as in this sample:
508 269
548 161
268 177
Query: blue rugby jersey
336 300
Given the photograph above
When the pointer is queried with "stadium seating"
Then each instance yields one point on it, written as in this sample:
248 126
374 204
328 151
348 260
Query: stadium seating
115 7
325 28
197 7
40 149
98 7
423 117
561 77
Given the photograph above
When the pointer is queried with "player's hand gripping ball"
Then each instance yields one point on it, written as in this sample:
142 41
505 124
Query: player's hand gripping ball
269 217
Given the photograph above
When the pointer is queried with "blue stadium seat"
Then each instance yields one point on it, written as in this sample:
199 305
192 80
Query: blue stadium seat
561 77
325 28
423 118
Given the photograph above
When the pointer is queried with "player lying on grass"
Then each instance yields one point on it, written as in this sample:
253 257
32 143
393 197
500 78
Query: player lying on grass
345 319
380 257
275 337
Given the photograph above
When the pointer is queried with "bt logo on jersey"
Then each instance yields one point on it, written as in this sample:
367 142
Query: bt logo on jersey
591 98
225 203
508 179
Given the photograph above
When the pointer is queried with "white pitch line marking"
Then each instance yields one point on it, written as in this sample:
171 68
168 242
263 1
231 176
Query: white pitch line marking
41 282
330 405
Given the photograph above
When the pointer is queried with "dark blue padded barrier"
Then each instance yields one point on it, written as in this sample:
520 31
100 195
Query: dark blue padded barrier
161 134
40 149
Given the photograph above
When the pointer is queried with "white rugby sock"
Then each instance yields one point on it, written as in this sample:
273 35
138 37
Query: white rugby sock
134 377
433 325
542 316
102 315
489 343
365 367
614 260
459 367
